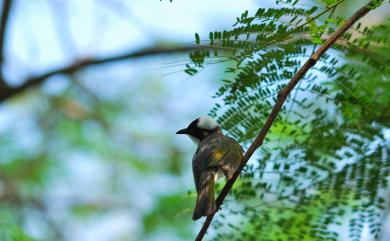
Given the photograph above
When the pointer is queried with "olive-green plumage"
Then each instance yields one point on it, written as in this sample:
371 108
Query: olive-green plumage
217 154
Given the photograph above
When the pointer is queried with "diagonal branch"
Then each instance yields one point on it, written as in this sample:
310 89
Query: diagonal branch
279 103
39 79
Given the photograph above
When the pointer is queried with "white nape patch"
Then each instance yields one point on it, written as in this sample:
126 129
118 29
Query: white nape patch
207 123
194 139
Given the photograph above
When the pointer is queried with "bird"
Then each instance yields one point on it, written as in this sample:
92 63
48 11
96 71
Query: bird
215 156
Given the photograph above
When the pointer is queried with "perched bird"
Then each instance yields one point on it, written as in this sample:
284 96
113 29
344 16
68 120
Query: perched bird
216 154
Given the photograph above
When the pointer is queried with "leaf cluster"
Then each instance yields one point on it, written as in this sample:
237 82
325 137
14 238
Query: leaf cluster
326 157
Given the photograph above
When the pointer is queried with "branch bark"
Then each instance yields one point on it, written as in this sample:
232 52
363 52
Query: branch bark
39 79
7 4
283 94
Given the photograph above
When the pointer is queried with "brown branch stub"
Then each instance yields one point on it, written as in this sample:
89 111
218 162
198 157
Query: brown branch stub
5 12
7 4
278 105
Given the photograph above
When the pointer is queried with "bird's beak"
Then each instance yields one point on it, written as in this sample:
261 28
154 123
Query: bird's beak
182 131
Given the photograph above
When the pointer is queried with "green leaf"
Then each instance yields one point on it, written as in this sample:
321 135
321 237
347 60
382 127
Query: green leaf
197 38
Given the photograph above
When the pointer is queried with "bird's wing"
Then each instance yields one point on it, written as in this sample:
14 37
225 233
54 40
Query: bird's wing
196 170
205 159
212 154
232 158
225 150
234 152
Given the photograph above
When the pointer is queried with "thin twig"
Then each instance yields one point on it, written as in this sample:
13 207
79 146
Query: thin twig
329 8
278 105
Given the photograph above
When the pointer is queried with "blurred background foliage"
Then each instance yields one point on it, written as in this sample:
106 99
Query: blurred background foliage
91 154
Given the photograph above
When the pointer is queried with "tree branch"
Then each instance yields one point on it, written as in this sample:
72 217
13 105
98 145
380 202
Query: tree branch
3 26
283 94
7 4
36 80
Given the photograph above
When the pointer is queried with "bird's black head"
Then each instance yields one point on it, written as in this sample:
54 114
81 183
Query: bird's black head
200 128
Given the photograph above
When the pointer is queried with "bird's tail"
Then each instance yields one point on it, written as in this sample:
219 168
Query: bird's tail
205 202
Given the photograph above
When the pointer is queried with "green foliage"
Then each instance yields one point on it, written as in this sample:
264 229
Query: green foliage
171 209
326 156
9 231
107 139
12 233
